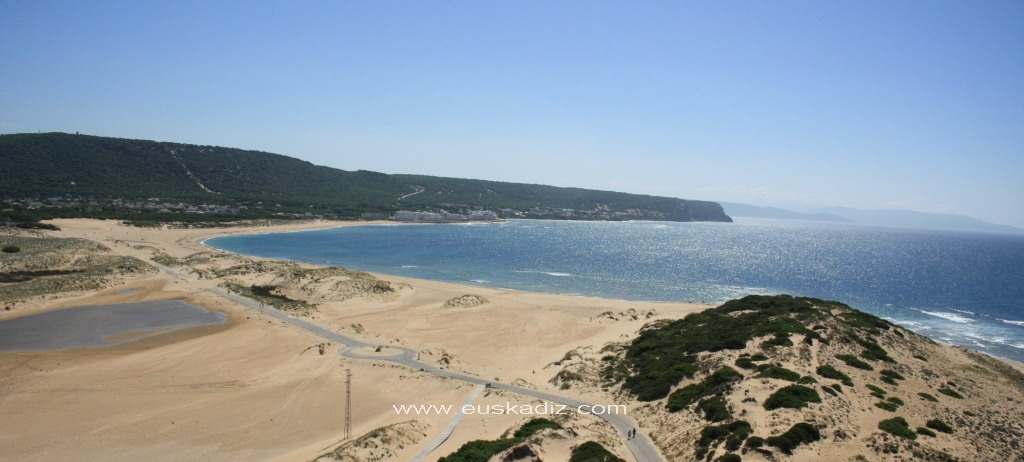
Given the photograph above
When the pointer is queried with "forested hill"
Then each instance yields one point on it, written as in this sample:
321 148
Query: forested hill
100 170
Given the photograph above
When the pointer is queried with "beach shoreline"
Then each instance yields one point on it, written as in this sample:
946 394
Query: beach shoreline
287 379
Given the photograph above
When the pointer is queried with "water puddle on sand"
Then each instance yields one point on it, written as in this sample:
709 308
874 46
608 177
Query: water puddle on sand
99 325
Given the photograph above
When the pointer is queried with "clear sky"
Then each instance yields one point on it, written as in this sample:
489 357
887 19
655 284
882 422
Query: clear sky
868 104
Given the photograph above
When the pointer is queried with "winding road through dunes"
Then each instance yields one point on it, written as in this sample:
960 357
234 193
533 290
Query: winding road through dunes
642 448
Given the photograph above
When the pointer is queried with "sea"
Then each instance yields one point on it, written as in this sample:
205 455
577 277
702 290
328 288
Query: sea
955 287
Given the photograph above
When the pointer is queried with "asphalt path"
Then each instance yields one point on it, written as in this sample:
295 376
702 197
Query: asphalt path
642 448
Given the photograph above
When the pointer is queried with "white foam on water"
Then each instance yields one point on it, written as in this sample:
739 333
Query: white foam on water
947 316
410 266
1015 323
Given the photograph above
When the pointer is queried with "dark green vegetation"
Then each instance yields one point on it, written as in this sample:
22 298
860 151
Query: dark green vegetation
266 294
732 433
936 424
660 357
876 391
713 384
798 434
891 404
254 184
593 452
897 426
928 397
891 377
792 396
950 392
11 249
778 372
830 372
534 426
479 450
483 450
925 432
715 409
852 361
730 457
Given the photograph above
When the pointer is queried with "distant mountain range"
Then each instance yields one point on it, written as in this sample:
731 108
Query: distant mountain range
80 175
890 218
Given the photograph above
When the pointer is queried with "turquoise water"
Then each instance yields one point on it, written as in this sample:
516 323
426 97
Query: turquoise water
960 288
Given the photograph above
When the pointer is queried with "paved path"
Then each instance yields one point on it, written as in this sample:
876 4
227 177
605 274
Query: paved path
641 446
450 428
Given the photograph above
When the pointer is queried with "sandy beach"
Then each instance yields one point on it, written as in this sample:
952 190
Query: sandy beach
257 388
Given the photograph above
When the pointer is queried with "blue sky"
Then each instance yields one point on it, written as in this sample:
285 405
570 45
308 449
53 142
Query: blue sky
874 104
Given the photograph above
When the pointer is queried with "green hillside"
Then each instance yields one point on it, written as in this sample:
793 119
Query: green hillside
81 169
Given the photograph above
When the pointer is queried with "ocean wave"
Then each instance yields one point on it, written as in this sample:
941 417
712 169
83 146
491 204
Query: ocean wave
947 316
1016 323
549 273
410 266
480 281
964 311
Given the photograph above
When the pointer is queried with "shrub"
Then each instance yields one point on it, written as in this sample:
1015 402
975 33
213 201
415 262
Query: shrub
897 426
715 409
755 442
887 406
922 358
892 374
949 392
830 391
738 431
798 434
593 452
534 426
11 249
928 397
780 339
890 381
852 361
778 372
830 372
792 396
936 424
478 450
745 363
807 380
836 387
876 389
759 357
689 394
895 400
925 432
730 457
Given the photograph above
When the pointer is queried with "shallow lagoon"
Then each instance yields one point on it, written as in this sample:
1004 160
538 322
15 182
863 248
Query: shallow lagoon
99 325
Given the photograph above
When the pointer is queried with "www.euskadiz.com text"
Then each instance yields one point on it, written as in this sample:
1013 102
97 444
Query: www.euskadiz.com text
509 408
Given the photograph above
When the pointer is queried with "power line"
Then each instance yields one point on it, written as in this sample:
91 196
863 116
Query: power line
348 403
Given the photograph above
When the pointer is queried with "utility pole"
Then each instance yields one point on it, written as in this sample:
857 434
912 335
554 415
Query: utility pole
348 403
